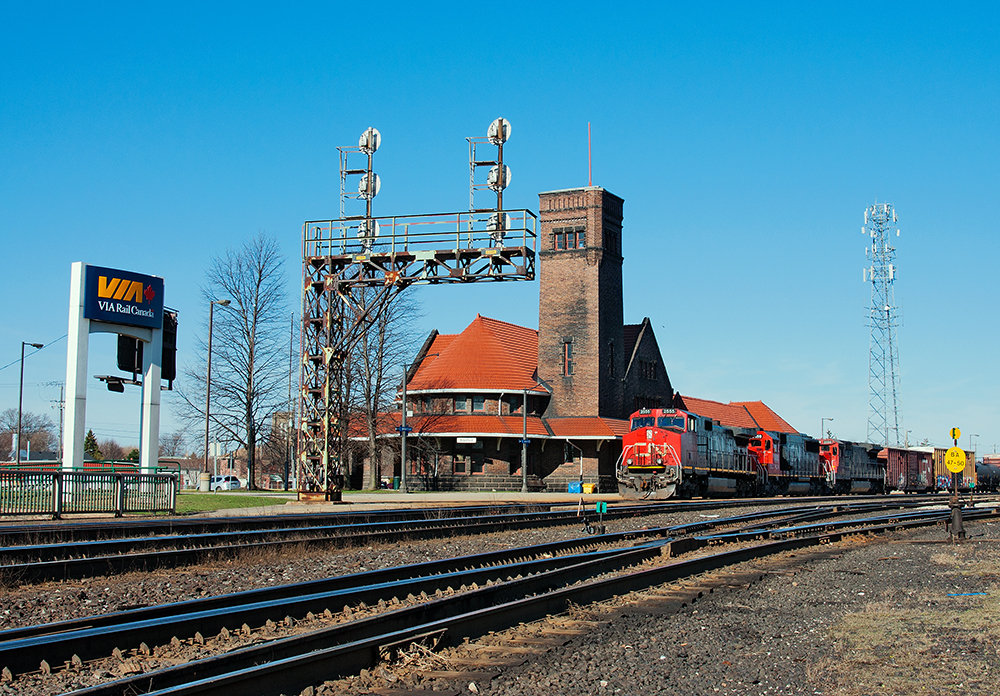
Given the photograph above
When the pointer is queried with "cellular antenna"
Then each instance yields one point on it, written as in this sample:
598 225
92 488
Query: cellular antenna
883 318
590 161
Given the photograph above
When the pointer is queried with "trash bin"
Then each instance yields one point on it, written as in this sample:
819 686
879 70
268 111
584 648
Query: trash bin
574 487
588 488
395 483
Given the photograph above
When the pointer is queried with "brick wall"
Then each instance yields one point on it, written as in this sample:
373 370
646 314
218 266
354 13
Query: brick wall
580 302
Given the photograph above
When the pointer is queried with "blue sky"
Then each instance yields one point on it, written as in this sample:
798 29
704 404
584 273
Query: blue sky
746 140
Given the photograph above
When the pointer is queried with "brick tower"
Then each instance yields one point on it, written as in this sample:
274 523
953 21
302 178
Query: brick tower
580 322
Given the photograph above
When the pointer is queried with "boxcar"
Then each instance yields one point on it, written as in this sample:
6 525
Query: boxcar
909 471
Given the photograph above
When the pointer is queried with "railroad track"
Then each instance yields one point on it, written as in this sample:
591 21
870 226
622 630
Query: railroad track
85 550
500 589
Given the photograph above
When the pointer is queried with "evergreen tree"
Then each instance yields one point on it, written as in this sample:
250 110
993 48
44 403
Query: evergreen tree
90 449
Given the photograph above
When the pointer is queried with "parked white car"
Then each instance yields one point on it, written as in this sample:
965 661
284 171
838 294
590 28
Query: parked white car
224 483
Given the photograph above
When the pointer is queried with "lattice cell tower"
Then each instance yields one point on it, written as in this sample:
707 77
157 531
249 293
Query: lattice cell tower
883 359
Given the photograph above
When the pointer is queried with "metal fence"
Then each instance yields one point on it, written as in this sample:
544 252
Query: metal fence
58 493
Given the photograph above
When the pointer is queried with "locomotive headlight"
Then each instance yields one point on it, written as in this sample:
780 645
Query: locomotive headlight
659 460
629 461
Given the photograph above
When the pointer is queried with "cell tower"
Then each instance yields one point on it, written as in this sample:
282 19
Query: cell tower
883 359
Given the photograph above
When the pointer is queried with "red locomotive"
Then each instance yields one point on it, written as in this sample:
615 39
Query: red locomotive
671 452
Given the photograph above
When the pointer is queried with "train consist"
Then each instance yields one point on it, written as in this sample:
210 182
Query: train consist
671 452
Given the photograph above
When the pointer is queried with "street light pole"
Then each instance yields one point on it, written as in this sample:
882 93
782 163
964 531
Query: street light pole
20 397
402 435
208 389
524 443
821 420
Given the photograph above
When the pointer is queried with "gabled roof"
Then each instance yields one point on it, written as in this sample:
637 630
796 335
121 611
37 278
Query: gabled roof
587 427
489 355
736 414
729 415
450 425
631 334
765 417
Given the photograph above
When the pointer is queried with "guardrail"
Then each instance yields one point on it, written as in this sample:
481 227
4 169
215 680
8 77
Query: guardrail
58 493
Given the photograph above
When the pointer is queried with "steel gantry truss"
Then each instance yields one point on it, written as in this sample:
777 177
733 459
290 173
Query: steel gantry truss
883 358
345 259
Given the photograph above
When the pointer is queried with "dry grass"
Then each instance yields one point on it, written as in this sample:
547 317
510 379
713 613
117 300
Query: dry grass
920 642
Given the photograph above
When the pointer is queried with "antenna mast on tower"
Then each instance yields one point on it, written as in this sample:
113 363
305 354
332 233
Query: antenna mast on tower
883 359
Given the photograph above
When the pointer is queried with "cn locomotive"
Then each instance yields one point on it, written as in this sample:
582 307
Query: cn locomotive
671 452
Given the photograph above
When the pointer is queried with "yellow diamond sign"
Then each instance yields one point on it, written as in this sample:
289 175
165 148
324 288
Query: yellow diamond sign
954 459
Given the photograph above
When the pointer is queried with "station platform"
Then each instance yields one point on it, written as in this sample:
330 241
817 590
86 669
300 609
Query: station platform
392 500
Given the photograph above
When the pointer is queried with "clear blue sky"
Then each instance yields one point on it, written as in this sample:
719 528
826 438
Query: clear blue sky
746 141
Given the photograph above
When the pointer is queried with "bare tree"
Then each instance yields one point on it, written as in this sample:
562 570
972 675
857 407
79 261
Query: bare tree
110 449
40 431
249 351
172 444
377 362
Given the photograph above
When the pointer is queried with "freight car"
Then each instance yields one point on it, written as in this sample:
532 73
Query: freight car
987 477
943 477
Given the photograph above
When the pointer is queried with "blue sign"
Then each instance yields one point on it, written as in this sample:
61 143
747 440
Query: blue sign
525 442
123 297
404 429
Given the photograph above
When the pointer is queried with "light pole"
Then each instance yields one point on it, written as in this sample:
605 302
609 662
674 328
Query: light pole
20 397
524 443
972 435
403 428
205 477
524 438
821 421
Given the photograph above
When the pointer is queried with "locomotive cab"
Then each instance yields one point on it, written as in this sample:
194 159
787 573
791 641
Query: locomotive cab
650 464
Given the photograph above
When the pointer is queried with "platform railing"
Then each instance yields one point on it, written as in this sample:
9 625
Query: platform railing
58 493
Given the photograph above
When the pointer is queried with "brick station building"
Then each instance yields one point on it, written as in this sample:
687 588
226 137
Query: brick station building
568 388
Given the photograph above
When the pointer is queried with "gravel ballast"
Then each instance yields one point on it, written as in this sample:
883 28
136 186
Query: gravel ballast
876 618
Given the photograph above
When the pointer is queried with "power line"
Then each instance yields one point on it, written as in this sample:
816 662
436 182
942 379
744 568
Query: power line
47 345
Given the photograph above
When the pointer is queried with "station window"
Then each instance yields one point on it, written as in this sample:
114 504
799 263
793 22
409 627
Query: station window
460 463
461 403
515 403
569 238
478 404
567 358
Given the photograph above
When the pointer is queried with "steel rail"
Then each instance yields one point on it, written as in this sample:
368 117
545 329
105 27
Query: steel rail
37 563
157 625
88 530
388 575
22 655
289 665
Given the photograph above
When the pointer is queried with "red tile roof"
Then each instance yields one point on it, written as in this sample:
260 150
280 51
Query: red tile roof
737 414
729 415
501 426
765 417
489 355
587 427
449 424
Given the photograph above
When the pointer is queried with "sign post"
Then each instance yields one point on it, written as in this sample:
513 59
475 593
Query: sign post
106 300
954 460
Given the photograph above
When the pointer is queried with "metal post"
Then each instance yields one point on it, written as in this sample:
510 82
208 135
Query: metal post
20 398
524 443
956 530
402 436
208 389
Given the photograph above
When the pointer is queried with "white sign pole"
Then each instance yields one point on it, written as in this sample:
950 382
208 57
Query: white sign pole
74 424
149 437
